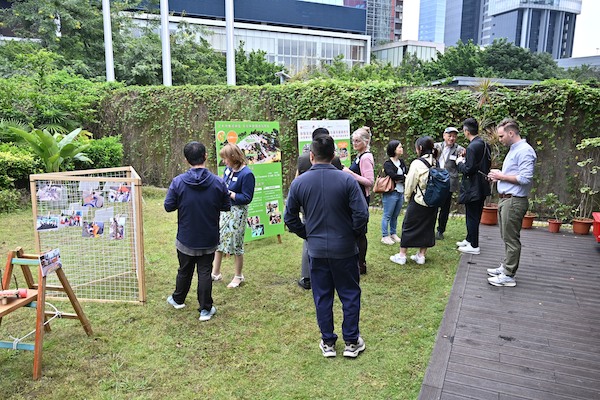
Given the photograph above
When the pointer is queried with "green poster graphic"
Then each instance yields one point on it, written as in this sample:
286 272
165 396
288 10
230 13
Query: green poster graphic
339 130
260 143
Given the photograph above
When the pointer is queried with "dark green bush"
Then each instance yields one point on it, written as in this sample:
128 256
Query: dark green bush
106 152
16 164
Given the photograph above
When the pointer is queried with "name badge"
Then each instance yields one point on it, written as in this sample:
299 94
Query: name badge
452 158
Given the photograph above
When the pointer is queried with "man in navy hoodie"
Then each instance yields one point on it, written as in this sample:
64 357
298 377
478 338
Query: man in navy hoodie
336 214
199 196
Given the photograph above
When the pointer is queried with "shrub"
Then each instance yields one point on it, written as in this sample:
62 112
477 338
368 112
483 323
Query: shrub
16 164
106 152
9 200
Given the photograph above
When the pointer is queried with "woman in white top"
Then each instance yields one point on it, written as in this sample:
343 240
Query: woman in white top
418 227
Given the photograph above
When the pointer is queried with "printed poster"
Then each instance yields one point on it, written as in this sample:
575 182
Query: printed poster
339 131
50 261
260 143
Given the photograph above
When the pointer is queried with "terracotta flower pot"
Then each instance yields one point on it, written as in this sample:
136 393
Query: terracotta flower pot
581 226
528 221
554 225
489 215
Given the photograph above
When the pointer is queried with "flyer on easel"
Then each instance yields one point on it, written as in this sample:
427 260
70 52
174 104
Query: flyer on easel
259 140
50 261
339 130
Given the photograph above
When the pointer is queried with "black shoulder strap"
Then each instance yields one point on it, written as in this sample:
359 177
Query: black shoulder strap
425 162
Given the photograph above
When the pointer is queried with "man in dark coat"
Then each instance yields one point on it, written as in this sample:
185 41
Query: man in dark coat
475 186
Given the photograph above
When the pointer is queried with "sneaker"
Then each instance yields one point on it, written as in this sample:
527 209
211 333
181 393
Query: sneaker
398 259
496 271
439 235
419 259
469 249
174 304
304 283
205 315
387 240
463 243
354 349
395 238
327 349
502 280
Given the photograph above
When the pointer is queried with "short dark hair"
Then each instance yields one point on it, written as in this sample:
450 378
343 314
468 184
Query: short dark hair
391 148
320 131
195 153
427 146
323 148
509 124
471 125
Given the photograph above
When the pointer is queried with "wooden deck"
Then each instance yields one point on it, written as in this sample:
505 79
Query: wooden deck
538 340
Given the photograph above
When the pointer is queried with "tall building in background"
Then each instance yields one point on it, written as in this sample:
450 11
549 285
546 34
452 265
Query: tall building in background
432 18
537 25
380 21
398 13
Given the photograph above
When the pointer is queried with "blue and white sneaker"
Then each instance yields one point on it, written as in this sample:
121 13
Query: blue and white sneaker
175 305
205 315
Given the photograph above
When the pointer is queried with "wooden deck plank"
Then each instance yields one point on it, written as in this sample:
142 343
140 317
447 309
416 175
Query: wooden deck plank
538 340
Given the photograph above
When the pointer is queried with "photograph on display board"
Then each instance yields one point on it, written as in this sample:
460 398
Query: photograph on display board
252 221
259 146
50 261
258 230
70 218
50 193
116 230
272 206
93 198
275 218
92 229
117 192
47 223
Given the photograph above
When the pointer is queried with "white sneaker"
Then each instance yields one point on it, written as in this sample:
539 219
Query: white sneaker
469 249
395 238
463 243
419 259
352 350
387 240
398 259
496 271
502 280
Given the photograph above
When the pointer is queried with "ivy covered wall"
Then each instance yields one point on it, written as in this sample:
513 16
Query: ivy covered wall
156 122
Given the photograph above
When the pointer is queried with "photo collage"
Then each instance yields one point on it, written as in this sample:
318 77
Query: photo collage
95 209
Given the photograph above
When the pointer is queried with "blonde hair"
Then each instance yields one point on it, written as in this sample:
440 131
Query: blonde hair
233 153
364 134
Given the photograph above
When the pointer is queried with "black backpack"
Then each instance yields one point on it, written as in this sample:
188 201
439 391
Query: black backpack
438 186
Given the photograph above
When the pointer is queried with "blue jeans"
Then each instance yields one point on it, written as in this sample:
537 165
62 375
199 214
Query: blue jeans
392 204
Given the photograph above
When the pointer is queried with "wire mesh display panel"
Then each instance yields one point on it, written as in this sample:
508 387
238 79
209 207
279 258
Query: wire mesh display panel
94 217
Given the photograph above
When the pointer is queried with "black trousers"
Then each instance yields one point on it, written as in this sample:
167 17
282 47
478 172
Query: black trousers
185 273
473 212
444 213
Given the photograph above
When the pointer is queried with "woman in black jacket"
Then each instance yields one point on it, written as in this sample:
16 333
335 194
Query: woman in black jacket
392 201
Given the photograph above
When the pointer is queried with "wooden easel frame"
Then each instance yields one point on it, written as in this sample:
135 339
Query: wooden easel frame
36 297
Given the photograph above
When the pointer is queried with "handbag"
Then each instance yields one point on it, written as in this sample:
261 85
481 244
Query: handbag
383 184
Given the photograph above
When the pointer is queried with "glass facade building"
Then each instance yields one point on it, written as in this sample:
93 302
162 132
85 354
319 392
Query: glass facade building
432 20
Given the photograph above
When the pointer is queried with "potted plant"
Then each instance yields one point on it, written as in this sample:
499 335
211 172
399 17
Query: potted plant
590 185
529 216
559 210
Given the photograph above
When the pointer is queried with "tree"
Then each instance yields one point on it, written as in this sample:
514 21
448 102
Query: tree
462 60
502 59
253 68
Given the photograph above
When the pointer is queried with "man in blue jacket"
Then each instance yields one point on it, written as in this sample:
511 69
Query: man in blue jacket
336 213
199 196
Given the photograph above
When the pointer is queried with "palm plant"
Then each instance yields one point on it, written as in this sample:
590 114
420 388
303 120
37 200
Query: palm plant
54 149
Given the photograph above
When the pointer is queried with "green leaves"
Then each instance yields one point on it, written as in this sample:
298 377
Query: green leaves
55 149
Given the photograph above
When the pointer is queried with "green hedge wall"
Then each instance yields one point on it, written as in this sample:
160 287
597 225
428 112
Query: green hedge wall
155 122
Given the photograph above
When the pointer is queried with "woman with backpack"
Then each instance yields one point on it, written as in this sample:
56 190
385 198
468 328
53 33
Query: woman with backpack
418 227
362 169
392 201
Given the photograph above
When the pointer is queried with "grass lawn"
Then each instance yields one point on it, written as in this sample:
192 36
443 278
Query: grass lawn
263 342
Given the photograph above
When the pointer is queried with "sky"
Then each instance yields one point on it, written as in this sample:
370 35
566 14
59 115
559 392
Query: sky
587 27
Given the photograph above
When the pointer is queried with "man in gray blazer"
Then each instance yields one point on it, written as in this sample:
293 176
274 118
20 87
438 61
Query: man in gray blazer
448 152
